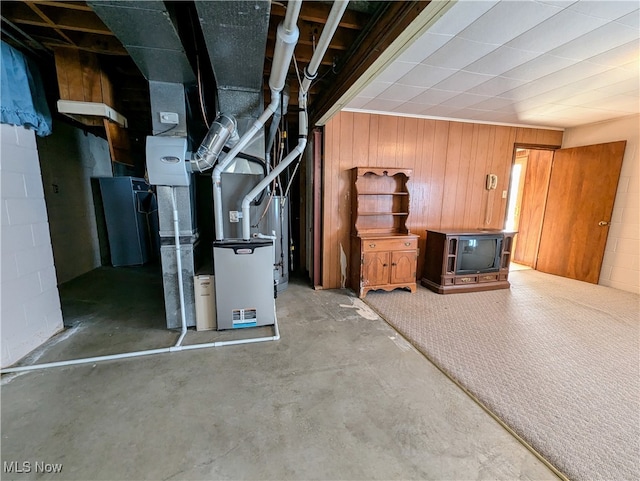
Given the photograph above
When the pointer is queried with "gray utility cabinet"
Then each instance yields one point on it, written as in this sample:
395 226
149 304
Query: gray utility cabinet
131 216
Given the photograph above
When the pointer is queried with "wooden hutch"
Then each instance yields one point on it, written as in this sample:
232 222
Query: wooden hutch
383 252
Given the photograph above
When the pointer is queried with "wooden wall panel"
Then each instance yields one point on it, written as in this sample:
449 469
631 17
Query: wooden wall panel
449 161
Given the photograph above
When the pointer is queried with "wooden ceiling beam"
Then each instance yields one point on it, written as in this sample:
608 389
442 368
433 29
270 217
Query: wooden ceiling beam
318 12
48 21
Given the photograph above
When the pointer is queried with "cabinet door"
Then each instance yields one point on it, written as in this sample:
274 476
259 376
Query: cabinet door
403 267
375 269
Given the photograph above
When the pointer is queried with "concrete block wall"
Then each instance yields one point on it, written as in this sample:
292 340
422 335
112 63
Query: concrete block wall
69 158
621 263
29 299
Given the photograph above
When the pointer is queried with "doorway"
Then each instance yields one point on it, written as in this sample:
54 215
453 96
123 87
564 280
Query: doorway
561 202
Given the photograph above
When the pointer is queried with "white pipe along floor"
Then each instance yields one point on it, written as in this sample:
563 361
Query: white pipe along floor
339 396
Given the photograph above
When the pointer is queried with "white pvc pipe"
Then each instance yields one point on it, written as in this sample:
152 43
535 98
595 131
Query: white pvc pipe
337 10
286 40
125 355
246 201
176 236
235 150
333 20
291 16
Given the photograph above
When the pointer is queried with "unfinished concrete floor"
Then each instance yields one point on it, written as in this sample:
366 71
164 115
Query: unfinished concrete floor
339 396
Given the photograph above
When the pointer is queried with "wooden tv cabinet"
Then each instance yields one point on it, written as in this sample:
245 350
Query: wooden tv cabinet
441 256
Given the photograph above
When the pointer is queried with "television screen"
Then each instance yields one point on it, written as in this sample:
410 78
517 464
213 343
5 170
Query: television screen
478 254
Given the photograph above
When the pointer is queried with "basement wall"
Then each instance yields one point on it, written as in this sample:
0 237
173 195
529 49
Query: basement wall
449 160
69 158
621 263
29 299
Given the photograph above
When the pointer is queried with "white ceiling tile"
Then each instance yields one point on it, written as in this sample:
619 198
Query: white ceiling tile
620 103
493 103
458 53
496 85
501 60
464 100
382 105
439 111
374 89
600 40
538 67
507 20
631 20
400 92
413 108
434 96
425 76
628 86
395 71
609 10
461 15
358 102
557 30
461 81
423 47
621 55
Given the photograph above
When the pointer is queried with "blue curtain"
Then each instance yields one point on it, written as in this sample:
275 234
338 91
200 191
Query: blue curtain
22 98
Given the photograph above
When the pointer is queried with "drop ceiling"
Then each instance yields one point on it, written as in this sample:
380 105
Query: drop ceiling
549 63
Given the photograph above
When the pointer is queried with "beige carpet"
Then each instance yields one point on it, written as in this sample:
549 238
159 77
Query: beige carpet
556 360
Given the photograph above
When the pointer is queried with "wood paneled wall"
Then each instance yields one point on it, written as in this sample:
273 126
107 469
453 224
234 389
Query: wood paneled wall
450 161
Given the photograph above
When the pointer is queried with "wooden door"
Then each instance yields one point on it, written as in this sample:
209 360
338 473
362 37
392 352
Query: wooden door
403 267
532 205
375 269
578 210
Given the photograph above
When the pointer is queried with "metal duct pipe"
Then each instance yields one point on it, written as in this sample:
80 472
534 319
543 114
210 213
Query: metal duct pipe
283 53
219 133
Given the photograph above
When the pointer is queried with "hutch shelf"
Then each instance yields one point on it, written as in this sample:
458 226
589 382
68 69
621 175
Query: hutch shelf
383 252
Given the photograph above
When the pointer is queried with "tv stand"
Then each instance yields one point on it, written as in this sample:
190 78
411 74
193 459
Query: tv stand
441 272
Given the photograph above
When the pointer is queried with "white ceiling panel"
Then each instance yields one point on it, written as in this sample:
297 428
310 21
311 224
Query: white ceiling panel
501 60
429 43
525 62
460 16
596 42
425 76
557 30
458 53
393 74
496 27
609 9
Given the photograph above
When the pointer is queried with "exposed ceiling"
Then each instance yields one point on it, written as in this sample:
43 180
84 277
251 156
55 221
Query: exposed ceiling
526 62
39 27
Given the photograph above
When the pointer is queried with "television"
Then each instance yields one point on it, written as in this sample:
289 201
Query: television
477 254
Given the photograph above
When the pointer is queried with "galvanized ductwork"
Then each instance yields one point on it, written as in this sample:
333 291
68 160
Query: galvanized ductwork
148 32
235 34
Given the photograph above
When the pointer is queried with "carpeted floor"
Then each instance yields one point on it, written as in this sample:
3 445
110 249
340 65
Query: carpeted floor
557 360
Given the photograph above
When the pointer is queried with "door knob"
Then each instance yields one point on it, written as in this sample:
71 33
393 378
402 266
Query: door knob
603 223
